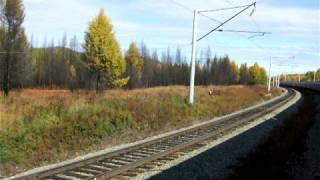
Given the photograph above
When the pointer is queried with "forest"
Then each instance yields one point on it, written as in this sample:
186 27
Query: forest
98 62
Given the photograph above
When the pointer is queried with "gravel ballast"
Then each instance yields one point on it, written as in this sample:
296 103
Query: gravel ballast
309 168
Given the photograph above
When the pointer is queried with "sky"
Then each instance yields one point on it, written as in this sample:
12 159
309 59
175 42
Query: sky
163 24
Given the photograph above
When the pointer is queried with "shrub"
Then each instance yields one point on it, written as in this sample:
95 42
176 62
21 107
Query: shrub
3 152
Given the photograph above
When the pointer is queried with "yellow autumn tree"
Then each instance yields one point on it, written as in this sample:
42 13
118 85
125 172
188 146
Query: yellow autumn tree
258 74
102 52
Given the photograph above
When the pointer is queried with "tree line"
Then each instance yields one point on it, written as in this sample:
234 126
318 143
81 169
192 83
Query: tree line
308 76
99 64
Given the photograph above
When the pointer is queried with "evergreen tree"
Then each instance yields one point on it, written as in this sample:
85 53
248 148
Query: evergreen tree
226 71
244 74
102 52
148 67
178 68
156 81
73 57
207 68
134 63
14 44
215 70
2 40
235 73
62 62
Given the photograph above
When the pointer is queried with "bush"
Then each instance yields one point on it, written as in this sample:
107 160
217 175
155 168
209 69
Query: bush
3 152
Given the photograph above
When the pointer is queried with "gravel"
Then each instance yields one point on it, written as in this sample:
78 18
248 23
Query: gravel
309 168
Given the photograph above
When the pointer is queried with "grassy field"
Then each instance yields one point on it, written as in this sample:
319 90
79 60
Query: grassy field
38 127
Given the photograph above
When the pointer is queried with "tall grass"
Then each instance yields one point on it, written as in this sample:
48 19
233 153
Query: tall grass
39 126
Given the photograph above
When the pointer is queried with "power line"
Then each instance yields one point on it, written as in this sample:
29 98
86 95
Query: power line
256 45
223 9
251 18
243 31
255 23
261 33
215 20
247 7
181 5
190 10
253 43
227 1
251 37
210 18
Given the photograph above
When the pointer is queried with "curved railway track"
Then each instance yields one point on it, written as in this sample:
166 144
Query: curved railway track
136 159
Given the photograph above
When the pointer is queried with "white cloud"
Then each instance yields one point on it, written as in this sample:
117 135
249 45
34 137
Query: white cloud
35 1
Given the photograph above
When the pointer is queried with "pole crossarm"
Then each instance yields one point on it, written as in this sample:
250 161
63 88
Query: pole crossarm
246 7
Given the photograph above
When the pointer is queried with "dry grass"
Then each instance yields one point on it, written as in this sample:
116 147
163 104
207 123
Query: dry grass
42 126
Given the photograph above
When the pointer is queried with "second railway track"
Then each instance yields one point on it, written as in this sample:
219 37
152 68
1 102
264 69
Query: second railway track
130 161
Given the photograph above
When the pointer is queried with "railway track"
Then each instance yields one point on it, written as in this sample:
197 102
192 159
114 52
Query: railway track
129 162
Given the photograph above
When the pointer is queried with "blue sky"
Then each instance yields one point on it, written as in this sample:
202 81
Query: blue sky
295 27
